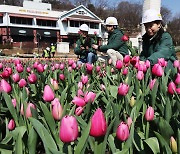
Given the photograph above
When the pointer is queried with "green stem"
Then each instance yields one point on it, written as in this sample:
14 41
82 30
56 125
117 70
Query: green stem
147 130
69 149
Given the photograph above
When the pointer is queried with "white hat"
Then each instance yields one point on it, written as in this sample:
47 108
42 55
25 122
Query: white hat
151 15
47 48
84 27
111 21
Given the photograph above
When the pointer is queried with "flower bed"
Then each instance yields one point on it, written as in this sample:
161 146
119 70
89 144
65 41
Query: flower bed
52 106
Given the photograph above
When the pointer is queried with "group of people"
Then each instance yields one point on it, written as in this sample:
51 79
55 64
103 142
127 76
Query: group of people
157 43
49 52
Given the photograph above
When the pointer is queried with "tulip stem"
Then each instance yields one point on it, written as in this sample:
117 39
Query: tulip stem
147 130
69 149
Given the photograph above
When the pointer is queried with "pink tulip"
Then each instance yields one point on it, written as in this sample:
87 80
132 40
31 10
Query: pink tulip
157 70
79 110
119 64
78 101
5 86
125 38
55 84
129 121
125 71
84 79
56 66
32 78
89 97
89 68
102 86
126 59
35 65
22 83
171 88
1 66
123 89
48 94
70 69
149 115
98 68
80 93
28 69
30 106
68 129
9 69
134 60
147 63
177 80
57 109
178 90
140 75
17 61
14 102
61 67
40 68
61 77
16 77
98 124
176 63
11 124
152 83
80 85
122 132
162 62
73 66
19 68
70 62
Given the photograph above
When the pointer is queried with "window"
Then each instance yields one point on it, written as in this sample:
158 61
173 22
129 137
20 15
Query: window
21 20
49 23
1 19
74 23
94 25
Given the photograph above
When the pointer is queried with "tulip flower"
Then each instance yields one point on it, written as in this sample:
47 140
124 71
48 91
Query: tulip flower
171 88
134 60
11 124
55 84
147 63
61 77
177 80
80 85
70 62
32 78
149 115
16 77
73 66
1 66
140 75
89 68
5 74
98 124
79 110
14 102
125 71
162 62
126 59
125 38
152 83
123 89
5 86
57 109
80 93
173 145
176 63
19 68
98 68
89 97
48 94
129 121
122 132
61 66
40 68
157 70
178 90
28 109
17 61
22 83
28 69
68 129
84 79
119 64
78 101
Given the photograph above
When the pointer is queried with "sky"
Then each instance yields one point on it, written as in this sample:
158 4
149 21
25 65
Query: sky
172 5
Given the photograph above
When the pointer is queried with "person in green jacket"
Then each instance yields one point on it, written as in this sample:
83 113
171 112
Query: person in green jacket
46 53
84 47
157 43
116 47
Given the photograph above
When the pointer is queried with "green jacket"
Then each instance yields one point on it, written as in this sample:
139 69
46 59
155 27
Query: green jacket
84 42
161 46
115 42
53 48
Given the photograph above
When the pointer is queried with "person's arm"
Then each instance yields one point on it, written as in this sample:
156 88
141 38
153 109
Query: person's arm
165 49
115 43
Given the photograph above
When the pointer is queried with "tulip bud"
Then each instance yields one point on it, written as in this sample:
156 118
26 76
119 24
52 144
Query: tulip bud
48 94
119 64
122 132
152 83
176 63
129 121
5 86
78 101
140 75
61 77
173 144
14 102
32 78
149 115
171 88
132 101
84 79
28 110
79 110
157 70
98 124
11 124
123 89
22 83
68 129
57 109
89 97
16 77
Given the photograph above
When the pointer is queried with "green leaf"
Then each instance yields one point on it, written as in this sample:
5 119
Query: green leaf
32 141
63 95
168 110
163 143
18 145
153 144
83 139
11 107
113 91
111 143
19 131
44 135
124 151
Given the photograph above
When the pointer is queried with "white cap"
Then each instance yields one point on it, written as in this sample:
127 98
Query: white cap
84 27
151 15
111 21
47 48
